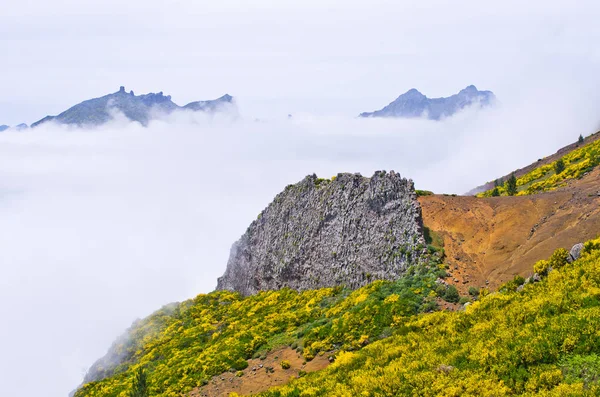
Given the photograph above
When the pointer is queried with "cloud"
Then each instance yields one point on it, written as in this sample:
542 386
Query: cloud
104 225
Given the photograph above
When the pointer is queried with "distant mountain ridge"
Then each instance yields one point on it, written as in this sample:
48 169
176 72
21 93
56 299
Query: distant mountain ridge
19 127
414 104
141 108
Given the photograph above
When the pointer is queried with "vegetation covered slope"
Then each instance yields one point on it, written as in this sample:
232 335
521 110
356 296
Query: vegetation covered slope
572 165
540 339
540 162
182 346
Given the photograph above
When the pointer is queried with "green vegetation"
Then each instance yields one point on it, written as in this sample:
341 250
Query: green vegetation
554 175
421 193
511 185
542 340
139 388
580 140
183 345
559 166
526 339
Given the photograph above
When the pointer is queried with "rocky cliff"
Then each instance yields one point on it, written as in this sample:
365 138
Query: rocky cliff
349 230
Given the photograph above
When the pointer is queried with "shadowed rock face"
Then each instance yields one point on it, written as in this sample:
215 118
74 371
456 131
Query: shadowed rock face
140 108
414 104
322 233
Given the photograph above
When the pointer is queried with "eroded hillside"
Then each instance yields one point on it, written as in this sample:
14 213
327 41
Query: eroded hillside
493 239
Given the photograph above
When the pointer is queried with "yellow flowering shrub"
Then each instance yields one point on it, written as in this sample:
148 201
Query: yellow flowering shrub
544 178
543 341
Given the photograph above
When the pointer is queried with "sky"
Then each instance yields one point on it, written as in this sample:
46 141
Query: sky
100 227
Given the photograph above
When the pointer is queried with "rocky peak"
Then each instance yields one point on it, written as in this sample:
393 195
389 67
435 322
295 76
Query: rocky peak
141 108
414 104
348 230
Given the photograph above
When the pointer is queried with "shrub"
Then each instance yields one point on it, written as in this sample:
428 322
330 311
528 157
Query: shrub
580 139
139 387
585 369
511 185
285 364
590 246
421 193
559 166
495 192
474 292
559 258
451 294
239 364
541 267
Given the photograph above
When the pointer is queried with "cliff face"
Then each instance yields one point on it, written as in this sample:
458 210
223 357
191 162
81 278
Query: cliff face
323 233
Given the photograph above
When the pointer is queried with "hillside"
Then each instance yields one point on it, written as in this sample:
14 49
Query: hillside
526 338
468 316
140 108
493 239
414 104
546 162
182 346
529 339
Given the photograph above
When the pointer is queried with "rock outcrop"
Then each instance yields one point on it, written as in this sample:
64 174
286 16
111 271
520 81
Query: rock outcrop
141 108
414 104
349 230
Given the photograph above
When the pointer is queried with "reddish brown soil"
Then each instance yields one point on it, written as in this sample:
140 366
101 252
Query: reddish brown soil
256 379
490 240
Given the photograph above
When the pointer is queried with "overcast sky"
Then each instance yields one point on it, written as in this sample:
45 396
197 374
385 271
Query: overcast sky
98 227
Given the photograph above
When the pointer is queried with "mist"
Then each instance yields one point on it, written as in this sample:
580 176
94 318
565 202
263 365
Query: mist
102 226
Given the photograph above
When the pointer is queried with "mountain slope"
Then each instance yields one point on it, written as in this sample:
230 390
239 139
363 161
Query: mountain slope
589 142
529 339
142 108
414 104
183 345
493 239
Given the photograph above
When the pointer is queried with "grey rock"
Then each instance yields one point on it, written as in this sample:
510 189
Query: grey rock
414 104
323 233
536 278
142 108
575 252
520 287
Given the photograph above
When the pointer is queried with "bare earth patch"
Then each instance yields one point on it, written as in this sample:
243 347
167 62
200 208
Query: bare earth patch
258 378
488 241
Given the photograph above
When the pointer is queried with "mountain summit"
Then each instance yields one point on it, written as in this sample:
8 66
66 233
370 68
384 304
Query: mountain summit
141 108
415 104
